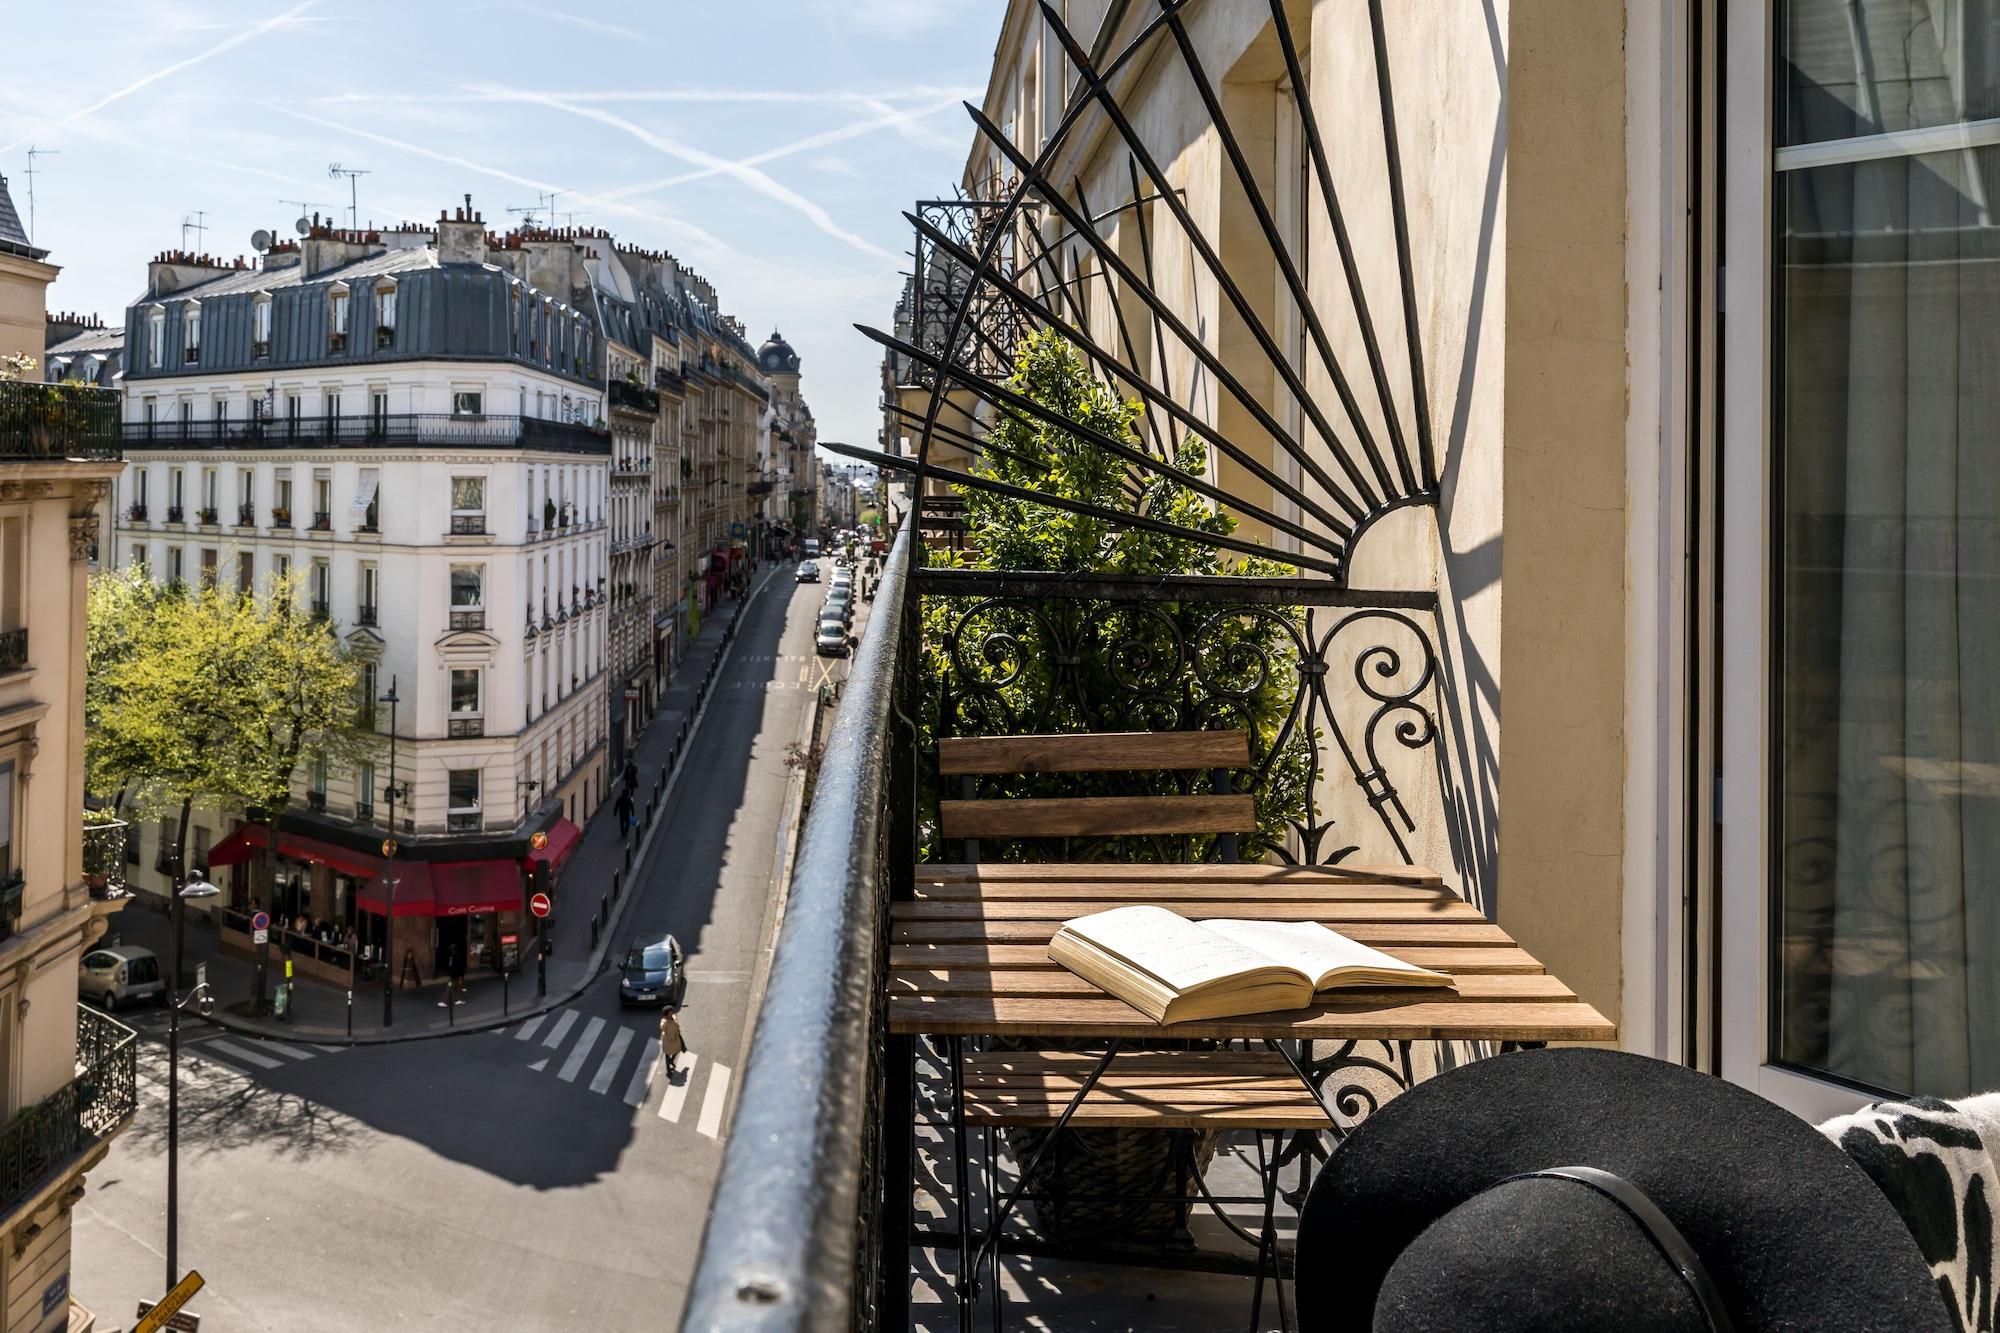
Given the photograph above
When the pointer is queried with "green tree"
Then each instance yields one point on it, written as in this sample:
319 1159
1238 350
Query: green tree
211 697
1078 664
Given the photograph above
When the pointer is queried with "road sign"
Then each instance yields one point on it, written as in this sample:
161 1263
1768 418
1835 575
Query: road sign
260 937
539 904
167 1314
261 921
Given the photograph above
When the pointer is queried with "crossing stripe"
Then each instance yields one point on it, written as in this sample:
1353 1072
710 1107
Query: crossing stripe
289 1051
330 1050
210 1061
612 1059
231 1048
564 1022
642 1077
677 1091
574 1065
540 1065
528 1028
713 1101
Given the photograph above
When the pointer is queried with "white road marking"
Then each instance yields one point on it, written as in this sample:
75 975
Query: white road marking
528 1028
291 1051
713 1101
612 1059
231 1048
212 1062
330 1050
564 1022
642 1077
574 1065
677 1089
540 1064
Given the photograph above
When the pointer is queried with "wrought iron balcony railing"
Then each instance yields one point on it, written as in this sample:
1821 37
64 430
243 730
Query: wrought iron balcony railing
465 728
136 513
366 614
635 397
468 620
367 432
59 421
14 649
468 525
42 1139
246 516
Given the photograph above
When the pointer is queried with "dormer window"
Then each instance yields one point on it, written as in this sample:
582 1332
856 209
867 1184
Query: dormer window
156 336
385 313
260 325
336 317
191 332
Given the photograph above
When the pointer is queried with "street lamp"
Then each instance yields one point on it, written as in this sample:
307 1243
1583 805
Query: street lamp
394 791
196 888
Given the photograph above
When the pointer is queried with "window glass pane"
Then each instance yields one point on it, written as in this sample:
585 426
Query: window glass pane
465 585
1887 931
464 690
468 493
464 788
1858 67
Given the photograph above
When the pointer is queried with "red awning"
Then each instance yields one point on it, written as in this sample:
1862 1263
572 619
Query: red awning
415 894
468 888
563 838
250 839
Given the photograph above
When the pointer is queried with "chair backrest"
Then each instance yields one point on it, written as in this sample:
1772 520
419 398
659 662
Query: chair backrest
969 757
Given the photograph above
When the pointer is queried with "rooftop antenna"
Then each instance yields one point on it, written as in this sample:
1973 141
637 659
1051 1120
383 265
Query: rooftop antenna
33 153
527 214
572 216
194 222
334 171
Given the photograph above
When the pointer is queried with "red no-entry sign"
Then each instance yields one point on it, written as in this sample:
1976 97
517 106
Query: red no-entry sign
539 904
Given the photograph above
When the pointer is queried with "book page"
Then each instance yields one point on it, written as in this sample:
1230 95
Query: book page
1181 954
1318 952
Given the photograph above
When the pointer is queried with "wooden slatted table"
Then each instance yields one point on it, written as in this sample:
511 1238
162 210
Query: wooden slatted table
968 958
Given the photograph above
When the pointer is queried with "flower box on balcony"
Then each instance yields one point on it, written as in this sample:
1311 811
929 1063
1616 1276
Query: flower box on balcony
174 514
208 517
281 518
246 516
137 513
322 521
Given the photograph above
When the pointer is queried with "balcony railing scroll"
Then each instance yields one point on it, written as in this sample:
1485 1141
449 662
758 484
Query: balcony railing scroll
41 1139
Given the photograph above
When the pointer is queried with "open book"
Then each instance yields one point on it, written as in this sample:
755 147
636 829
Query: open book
1173 969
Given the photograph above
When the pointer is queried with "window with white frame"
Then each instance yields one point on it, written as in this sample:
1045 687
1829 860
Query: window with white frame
191 332
468 505
336 317
468 596
385 313
465 698
156 336
1880 964
260 325
281 498
462 798
174 567
467 403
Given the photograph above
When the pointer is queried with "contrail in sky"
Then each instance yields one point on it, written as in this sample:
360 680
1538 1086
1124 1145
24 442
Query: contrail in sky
255 30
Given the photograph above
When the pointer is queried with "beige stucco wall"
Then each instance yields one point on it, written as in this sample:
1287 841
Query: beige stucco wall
23 296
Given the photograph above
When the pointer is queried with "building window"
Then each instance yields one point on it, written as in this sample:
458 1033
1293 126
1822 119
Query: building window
176 494
366 500
367 691
378 411
385 314
467 597
322 500
330 406
246 496
208 561
367 611
281 567
465 690
211 495
260 325
468 505
191 332
246 571
1885 864
174 571
281 498
7 820
364 791
322 589
467 403
319 782
156 337
462 797
336 317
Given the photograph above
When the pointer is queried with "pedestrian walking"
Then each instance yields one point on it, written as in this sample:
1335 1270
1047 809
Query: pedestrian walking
672 1044
631 775
454 970
625 809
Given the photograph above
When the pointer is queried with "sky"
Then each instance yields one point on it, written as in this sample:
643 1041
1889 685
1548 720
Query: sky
772 146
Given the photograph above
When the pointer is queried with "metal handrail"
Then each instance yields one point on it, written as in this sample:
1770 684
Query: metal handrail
783 1249
59 421
369 431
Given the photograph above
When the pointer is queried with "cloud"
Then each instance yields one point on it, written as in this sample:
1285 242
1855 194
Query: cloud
748 176
285 19
839 134
833 164
920 93
897 19
592 25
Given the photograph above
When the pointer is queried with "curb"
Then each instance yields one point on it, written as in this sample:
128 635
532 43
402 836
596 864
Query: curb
548 1004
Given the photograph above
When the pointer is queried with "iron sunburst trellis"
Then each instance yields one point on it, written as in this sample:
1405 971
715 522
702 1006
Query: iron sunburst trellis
987 273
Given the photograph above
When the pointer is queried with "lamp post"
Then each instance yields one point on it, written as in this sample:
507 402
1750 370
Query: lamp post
393 792
177 907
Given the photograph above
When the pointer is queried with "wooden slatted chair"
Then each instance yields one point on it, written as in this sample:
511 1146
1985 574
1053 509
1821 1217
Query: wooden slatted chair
970 819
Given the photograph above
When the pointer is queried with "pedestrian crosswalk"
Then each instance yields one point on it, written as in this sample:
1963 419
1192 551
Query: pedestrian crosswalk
211 1057
624 1062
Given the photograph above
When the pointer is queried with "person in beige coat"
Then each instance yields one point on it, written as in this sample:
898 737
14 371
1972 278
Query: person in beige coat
672 1044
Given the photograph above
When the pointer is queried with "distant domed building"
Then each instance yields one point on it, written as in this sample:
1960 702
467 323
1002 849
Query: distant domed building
777 357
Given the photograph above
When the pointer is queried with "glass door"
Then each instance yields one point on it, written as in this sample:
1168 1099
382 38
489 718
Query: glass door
1861 827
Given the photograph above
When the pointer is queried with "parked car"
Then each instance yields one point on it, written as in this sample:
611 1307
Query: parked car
652 973
808 572
109 977
831 641
840 600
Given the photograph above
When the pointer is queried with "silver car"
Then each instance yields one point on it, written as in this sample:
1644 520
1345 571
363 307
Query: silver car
831 641
109 977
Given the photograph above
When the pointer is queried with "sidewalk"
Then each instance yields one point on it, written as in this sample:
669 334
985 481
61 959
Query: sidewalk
321 1013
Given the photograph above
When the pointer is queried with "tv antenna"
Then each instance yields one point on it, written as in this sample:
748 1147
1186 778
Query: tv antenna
194 222
33 153
335 171
527 214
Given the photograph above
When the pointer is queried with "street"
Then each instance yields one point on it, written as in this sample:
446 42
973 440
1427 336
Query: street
541 1176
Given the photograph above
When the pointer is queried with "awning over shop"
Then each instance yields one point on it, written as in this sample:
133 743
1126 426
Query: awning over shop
416 895
468 888
563 838
244 844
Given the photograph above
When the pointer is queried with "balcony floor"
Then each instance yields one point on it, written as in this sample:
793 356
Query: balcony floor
1043 1292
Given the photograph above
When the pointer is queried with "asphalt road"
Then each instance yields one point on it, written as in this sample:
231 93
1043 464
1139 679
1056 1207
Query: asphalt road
540 1177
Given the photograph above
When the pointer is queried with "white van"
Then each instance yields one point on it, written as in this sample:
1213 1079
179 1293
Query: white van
109 977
